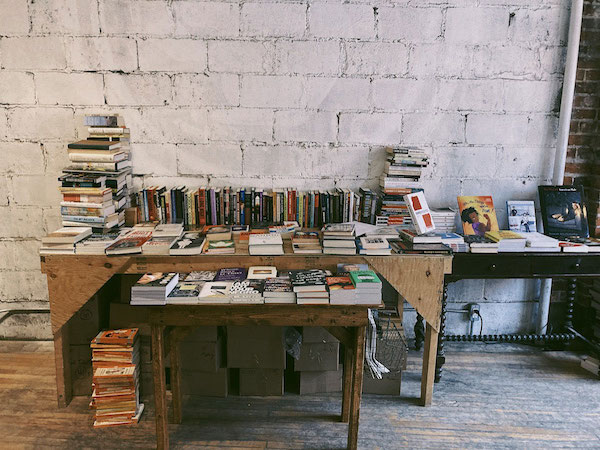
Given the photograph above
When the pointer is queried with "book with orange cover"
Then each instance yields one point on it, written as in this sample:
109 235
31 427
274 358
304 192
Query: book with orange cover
477 214
122 337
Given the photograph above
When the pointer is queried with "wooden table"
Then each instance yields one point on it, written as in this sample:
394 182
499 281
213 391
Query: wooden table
169 324
74 279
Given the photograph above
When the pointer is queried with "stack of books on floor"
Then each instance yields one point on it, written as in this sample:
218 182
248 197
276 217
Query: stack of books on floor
402 174
64 240
95 187
339 239
116 379
508 241
368 287
153 288
444 219
310 286
306 242
265 244
341 290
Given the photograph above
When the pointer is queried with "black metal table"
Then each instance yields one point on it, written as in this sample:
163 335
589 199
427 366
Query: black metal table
570 266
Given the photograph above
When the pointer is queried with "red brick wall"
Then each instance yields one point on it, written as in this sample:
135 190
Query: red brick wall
583 156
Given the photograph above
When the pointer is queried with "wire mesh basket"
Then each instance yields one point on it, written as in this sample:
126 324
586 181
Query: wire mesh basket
392 348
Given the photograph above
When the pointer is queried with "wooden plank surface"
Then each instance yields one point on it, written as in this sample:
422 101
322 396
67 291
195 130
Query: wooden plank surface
358 359
525 398
347 382
262 314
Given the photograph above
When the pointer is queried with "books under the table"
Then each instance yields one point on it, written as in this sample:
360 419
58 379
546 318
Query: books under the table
308 280
231 274
201 275
215 292
279 290
261 272
185 292
153 288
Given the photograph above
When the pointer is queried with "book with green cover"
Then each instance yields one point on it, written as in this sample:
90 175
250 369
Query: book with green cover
365 279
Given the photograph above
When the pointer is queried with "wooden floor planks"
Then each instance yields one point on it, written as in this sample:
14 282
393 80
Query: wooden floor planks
491 396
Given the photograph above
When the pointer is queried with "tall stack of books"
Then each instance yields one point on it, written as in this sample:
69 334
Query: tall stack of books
444 219
341 290
402 174
338 239
310 286
116 380
64 240
279 290
95 187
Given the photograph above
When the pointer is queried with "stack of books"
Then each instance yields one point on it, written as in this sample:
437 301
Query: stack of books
190 243
422 243
163 237
444 219
402 174
185 293
130 243
538 242
153 288
508 241
95 187
373 246
368 287
279 290
338 239
218 240
341 290
306 242
265 244
247 291
64 240
215 292
116 379
97 243
455 241
480 244
310 286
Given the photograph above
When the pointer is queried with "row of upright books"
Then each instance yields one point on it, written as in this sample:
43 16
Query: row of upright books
95 186
352 284
196 207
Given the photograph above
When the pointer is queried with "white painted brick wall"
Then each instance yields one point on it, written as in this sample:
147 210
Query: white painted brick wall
275 93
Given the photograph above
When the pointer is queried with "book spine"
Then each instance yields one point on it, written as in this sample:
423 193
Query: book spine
242 206
213 207
84 219
202 207
75 156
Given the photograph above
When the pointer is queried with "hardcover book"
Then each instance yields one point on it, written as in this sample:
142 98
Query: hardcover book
564 214
89 144
521 216
478 214
188 244
130 243
67 235
217 232
419 212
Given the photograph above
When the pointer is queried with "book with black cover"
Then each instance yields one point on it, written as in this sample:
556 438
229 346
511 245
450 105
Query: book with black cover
231 274
92 144
308 280
564 214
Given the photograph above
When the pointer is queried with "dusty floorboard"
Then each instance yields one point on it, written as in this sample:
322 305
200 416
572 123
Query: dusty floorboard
491 396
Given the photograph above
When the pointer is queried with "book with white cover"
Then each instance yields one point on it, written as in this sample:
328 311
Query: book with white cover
265 250
419 212
265 239
372 243
67 235
535 239
168 229
262 272
215 292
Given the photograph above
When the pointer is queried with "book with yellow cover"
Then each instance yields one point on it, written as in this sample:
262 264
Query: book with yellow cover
477 214
500 235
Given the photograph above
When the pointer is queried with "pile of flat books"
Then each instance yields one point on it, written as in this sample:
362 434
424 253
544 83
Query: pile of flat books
310 286
538 242
480 244
97 243
64 240
129 243
95 187
153 288
163 237
188 291
306 242
508 241
341 290
421 243
367 285
116 392
402 174
339 239
247 291
265 244
444 219
218 240
373 246
279 290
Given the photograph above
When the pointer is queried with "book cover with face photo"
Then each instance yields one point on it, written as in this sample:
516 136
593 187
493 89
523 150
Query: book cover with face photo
477 214
521 216
563 211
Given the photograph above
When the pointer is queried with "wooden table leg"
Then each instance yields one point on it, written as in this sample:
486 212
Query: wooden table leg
175 380
358 351
160 394
347 383
62 361
429 356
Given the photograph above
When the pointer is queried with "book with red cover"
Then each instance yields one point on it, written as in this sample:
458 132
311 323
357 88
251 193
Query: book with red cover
130 243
